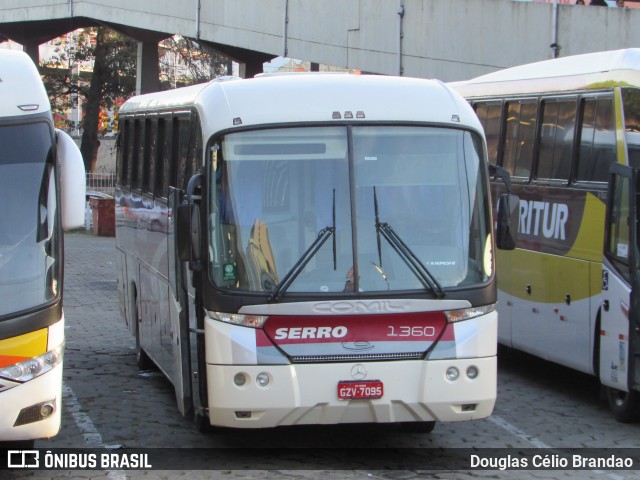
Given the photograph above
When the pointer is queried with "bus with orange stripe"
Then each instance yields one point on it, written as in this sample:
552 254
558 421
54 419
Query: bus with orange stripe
42 189
568 132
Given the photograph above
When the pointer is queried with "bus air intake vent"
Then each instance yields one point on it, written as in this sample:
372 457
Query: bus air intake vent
365 357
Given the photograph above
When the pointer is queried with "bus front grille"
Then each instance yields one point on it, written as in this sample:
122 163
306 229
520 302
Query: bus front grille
365 357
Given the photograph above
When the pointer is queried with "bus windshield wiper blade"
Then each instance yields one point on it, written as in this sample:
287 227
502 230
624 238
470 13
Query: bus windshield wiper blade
292 274
406 254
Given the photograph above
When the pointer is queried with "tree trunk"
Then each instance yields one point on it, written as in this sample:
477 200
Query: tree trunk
90 143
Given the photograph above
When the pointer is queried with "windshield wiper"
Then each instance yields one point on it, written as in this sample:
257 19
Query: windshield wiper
297 269
406 254
292 274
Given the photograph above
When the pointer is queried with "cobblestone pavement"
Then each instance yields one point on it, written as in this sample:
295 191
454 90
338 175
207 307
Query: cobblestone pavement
109 403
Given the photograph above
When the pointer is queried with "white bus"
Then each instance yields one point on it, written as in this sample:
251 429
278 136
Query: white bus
567 293
310 249
42 192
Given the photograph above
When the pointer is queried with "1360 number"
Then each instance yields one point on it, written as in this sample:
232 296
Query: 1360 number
406 331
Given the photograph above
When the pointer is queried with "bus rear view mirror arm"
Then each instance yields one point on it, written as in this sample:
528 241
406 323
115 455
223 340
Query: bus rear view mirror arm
508 218
502 174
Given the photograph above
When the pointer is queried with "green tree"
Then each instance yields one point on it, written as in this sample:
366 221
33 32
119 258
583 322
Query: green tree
99 67
110 61
184 62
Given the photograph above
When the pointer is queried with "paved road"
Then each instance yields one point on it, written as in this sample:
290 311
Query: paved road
108 403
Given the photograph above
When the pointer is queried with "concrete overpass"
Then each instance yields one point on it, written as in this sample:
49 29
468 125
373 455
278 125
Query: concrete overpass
446 39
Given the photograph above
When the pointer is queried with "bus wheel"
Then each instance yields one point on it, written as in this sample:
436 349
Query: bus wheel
418 427
624 405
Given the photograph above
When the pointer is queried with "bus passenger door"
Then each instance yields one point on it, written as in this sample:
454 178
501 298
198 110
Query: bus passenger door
619 345
179 311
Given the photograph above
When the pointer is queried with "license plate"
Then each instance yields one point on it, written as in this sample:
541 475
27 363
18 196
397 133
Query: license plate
360 390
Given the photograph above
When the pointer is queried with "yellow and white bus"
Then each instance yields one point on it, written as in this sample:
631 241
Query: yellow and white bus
310 249
42 192
568 292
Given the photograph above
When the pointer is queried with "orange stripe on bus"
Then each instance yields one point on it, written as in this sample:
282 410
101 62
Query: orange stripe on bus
6 360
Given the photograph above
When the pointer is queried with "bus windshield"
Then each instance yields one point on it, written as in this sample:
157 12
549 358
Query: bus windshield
631 103
28 237
277 190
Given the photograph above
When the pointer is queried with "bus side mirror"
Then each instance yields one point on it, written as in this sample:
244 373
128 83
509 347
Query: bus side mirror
72 181
508 213
188 232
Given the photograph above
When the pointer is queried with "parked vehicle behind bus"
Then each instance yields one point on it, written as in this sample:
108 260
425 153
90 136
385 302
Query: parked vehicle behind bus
567 131
42 183
323 252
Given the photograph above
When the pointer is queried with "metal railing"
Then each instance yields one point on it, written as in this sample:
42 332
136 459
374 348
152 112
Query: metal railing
103 182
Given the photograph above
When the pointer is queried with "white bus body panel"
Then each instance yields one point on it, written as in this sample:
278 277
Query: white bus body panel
614 333
21 86
224 105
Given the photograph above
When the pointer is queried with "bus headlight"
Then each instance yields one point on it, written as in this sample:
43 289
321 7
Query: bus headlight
33 367
255 321
468 313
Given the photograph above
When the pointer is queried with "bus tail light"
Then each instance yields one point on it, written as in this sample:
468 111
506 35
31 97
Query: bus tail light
468 313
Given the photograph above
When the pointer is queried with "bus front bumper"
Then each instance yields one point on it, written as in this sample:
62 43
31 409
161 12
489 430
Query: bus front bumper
303 394
22 407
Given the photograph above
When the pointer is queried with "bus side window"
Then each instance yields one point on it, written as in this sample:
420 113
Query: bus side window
136 153
556 139
149 155
184 127
160 161
490 116
172 178
597 140
519 137
124 151
631 100
194 159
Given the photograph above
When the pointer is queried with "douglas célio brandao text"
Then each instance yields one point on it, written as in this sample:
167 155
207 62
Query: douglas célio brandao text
550 461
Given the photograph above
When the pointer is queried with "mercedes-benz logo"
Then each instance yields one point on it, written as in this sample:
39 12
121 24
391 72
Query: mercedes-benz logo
357 346
358 371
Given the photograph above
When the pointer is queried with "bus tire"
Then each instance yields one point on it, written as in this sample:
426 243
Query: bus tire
625 406
418 427
202 423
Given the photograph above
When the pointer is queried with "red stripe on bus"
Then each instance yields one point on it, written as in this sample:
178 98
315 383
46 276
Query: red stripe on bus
419 327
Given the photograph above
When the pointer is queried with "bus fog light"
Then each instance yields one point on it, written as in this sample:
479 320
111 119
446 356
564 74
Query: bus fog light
240 379
262 379
452 373
472 372
46 410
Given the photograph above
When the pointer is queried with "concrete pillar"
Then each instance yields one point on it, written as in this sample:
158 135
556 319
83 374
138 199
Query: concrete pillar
251 68
32 48
314 67
148 68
